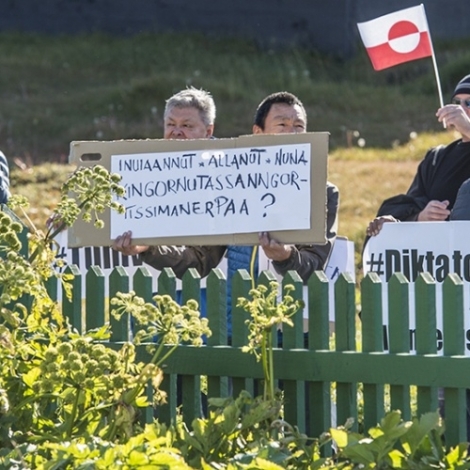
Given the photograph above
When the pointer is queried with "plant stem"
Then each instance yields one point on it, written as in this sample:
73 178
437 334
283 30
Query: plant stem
50 236
73 414
271 365
264 359
127 401
140 383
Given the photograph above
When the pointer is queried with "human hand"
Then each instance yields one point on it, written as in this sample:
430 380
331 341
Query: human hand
123 243
453 115
273 249
434 211
376 225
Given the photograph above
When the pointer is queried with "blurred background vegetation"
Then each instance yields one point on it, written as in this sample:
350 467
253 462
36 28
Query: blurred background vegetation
96 87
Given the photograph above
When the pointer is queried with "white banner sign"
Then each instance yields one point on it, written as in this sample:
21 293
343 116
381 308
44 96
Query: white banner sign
411 248
214 192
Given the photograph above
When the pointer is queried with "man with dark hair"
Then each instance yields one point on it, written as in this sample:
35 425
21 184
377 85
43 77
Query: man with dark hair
284 113
282 98
188 114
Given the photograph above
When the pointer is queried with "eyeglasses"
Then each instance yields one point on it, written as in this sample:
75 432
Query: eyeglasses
465 103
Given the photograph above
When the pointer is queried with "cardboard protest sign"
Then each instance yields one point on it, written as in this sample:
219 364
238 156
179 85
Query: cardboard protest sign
212 191
411 248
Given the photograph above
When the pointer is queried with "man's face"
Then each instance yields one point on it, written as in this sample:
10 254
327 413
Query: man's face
185 123
463 99
283 119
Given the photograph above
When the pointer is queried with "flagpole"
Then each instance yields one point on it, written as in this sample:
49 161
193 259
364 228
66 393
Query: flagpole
434 63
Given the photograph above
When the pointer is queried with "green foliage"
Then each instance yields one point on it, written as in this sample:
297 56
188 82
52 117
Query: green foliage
68 385
411 445
236 426
57 385
267 316
71 401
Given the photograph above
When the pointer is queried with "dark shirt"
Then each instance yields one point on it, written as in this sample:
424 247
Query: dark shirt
439 177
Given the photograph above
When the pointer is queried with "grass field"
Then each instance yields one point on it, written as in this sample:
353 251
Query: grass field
55 90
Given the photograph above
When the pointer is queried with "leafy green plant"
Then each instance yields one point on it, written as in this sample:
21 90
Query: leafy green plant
68 385
395 443
56 384
87 193
267 315
68 401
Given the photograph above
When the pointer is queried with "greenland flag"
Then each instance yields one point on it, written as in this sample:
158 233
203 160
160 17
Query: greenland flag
396 38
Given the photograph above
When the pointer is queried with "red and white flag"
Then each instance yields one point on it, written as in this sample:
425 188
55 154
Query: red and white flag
399 37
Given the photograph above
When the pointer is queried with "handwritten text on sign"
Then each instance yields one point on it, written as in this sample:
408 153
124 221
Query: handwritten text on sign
206 192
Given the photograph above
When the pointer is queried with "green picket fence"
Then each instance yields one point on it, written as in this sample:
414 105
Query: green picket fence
347 365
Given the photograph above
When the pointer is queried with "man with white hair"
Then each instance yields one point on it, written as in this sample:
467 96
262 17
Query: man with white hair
189 114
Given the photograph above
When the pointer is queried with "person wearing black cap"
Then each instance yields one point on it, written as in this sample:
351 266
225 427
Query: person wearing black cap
441 188
461 209
433 192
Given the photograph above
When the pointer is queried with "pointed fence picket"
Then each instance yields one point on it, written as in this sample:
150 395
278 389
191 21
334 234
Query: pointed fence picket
307 372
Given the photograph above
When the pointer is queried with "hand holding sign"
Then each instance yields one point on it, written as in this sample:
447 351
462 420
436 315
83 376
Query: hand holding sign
123 243
274 250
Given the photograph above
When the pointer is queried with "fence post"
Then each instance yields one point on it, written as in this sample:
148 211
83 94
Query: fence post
118 282
399 336
264 279
142 285
217 315
372 341
455 402
95 298
52 287
72 309
166 285
191 384
241 285
293 338
426 341
345 328
252 385
319 393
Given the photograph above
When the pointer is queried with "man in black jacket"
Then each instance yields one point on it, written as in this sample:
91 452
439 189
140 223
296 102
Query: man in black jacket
441 188
433 192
